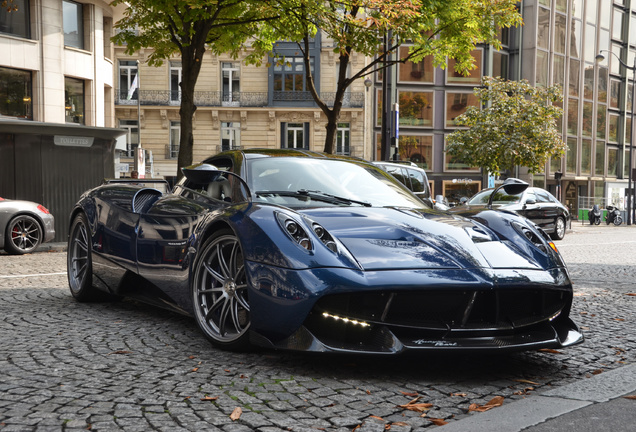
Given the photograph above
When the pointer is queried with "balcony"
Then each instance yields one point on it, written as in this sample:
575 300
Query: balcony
236 99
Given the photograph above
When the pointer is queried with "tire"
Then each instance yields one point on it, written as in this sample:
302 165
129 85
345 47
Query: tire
618 220
23 235
559 229
219 293
597 221
79 264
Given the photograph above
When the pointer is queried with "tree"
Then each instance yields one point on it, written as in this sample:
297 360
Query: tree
189 28
440 28
517 126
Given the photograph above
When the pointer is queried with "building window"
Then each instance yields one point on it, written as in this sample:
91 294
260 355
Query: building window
500 64
16 93
454 164
132 135
74 100
343 139
586 157
454 191
416 108
230 136
613 127
573 116
175 134
612 162
175 81
599 165
571 155
295 135
289 79
128 81
474 76
417 149
410 72
16 22
73 18
456 104
231 85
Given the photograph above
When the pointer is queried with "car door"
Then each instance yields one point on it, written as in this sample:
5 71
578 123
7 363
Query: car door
529 207
548 208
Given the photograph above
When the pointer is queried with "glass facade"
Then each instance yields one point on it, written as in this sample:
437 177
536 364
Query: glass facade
16 93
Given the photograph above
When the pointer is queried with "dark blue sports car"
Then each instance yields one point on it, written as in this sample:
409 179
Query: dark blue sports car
313 252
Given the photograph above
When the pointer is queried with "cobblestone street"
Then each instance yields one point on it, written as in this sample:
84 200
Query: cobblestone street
125 366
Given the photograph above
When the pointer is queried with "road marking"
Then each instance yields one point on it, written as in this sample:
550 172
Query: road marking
31 275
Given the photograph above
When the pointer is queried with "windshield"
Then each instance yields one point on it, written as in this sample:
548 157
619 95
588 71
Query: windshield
501 197
304 182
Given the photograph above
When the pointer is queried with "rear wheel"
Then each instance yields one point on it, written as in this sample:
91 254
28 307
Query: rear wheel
559 229
219 292
23 235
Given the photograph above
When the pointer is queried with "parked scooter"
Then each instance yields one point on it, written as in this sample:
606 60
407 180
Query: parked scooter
613 216
594 215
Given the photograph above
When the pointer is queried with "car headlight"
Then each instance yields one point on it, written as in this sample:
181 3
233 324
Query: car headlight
537 237
296 229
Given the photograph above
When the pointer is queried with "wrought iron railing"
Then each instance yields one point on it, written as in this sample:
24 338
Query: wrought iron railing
236 99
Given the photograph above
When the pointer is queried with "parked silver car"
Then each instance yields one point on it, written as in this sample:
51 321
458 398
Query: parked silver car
24 225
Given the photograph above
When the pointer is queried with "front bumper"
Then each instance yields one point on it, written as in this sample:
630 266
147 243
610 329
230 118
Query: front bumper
388 312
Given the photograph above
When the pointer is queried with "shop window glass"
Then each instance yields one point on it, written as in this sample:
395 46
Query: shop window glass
560 27
543 30
559 70
15 93
73 18
500 65
601 120
613 127
588 119
617 28
16 22
573 116
421 72
574 78
474 76
586 157
612 162
74 100
417 149
456 104
571 155
542 68
575 39
599 163
416 108
588 81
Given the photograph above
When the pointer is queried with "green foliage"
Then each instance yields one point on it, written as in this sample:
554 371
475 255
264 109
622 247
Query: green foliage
517 126
439 28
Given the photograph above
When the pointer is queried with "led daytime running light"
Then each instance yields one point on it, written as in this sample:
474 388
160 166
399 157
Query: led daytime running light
346 320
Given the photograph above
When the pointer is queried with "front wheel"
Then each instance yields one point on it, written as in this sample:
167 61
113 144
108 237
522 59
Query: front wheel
23 235
618 220
559 229
219 292
79 264
597 221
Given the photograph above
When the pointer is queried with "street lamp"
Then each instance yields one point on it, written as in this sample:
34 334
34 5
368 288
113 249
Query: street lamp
599 58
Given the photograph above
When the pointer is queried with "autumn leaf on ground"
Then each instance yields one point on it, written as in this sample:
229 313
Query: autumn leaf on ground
597 372
236 414
438 421
209 398
631 294
376 417
410 394
619 319
550 351
417 407
458 394
493 403
399 424
195 369
525 381
632 397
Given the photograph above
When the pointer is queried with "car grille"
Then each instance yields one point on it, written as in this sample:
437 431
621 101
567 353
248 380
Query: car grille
461 312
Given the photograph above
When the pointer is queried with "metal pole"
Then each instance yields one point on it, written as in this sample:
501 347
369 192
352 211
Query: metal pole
631 143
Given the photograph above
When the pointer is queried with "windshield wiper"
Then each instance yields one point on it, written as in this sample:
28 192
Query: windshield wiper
317 195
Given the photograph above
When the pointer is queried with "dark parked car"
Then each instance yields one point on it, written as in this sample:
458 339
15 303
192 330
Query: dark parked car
24 225
307 251
536 204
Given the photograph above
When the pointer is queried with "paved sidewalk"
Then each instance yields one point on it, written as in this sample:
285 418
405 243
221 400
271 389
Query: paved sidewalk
592 405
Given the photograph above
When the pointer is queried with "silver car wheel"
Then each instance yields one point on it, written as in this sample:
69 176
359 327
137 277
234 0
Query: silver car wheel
220 292
23 235
78 257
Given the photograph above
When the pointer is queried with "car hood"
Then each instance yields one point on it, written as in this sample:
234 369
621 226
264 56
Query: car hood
394 238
